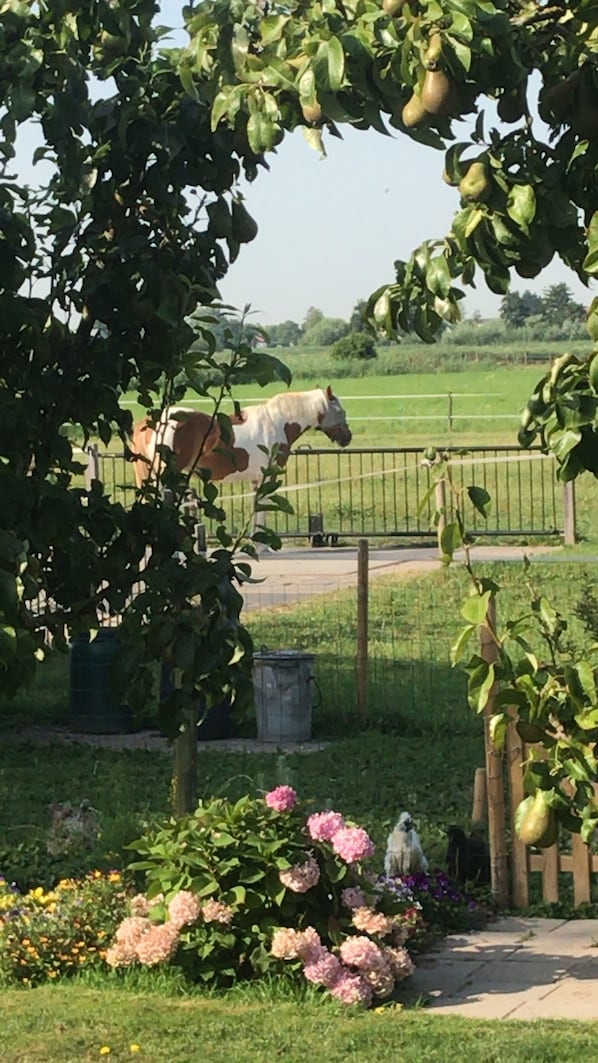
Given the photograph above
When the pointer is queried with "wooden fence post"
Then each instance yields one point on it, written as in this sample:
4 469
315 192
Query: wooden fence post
184 776
494 776
569 514
92 471
362 628
440 504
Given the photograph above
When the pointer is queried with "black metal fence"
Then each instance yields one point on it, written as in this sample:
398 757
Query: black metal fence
381 493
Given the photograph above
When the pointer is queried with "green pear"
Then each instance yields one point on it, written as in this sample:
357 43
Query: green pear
312 112
511 105
475 185
433 52
413 112
393 7
534 818
439 95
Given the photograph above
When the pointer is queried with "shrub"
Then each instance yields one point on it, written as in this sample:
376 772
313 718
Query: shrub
236 889
357 345
45 935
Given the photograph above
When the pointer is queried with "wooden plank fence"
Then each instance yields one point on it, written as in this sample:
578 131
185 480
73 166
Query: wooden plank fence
503 790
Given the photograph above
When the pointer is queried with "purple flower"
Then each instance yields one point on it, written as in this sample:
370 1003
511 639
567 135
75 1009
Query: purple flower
282 799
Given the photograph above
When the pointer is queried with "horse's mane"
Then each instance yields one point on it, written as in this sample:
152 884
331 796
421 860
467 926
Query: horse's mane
288 403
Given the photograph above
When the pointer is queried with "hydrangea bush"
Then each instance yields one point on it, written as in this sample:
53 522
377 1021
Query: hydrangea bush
51 934
235 890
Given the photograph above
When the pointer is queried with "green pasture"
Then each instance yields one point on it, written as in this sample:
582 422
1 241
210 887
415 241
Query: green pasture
381 494
386 410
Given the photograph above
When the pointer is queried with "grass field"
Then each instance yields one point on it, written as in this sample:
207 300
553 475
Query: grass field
394 410
71 1024
381 495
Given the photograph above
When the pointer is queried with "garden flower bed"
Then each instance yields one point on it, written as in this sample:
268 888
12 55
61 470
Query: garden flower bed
234 891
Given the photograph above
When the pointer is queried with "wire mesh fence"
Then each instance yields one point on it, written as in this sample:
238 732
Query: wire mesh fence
414 617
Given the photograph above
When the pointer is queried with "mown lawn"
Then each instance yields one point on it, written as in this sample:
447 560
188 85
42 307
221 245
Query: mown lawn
72 1024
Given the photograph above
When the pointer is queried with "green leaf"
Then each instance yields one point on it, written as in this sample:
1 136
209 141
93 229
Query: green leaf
497 729
335 58
313 137
521 205
475 608
261 132
188 83
592 318
8 643
585 673
271 27
479 498
590 262
450 539
460 644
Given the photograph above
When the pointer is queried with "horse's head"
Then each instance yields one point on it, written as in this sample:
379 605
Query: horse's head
333 420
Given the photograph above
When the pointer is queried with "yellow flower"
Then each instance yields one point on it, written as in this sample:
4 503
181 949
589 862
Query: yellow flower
134 1048
105 1050
114 876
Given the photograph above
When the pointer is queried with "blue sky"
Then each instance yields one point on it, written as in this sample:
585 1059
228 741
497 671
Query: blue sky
330 229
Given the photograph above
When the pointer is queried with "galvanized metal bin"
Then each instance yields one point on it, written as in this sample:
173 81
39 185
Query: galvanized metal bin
282 683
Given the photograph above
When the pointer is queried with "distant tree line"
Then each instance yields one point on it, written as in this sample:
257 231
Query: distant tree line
555 306
554 315
346 339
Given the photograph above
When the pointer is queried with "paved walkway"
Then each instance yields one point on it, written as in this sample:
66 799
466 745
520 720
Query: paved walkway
290 575
515 969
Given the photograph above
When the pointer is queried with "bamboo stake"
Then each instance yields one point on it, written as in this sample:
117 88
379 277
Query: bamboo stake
494 776
479 809
362 628
440 503
519 853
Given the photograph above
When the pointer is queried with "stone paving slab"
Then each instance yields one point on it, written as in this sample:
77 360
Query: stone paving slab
515 968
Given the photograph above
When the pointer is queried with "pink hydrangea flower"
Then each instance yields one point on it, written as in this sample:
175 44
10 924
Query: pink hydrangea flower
353 897
139 905
283 798
352 844
120 955
157 945
216 912
371 922
362 953
322 826
323 968
289 944
401 964
131 930
301 877
380 980
351 989
184 909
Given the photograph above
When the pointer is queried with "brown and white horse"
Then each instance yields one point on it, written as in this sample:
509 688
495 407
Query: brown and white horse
197 442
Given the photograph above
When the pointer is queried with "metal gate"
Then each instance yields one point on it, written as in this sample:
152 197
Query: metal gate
378 493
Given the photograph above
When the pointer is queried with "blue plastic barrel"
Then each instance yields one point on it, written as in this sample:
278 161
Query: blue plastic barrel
215 724
94 707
